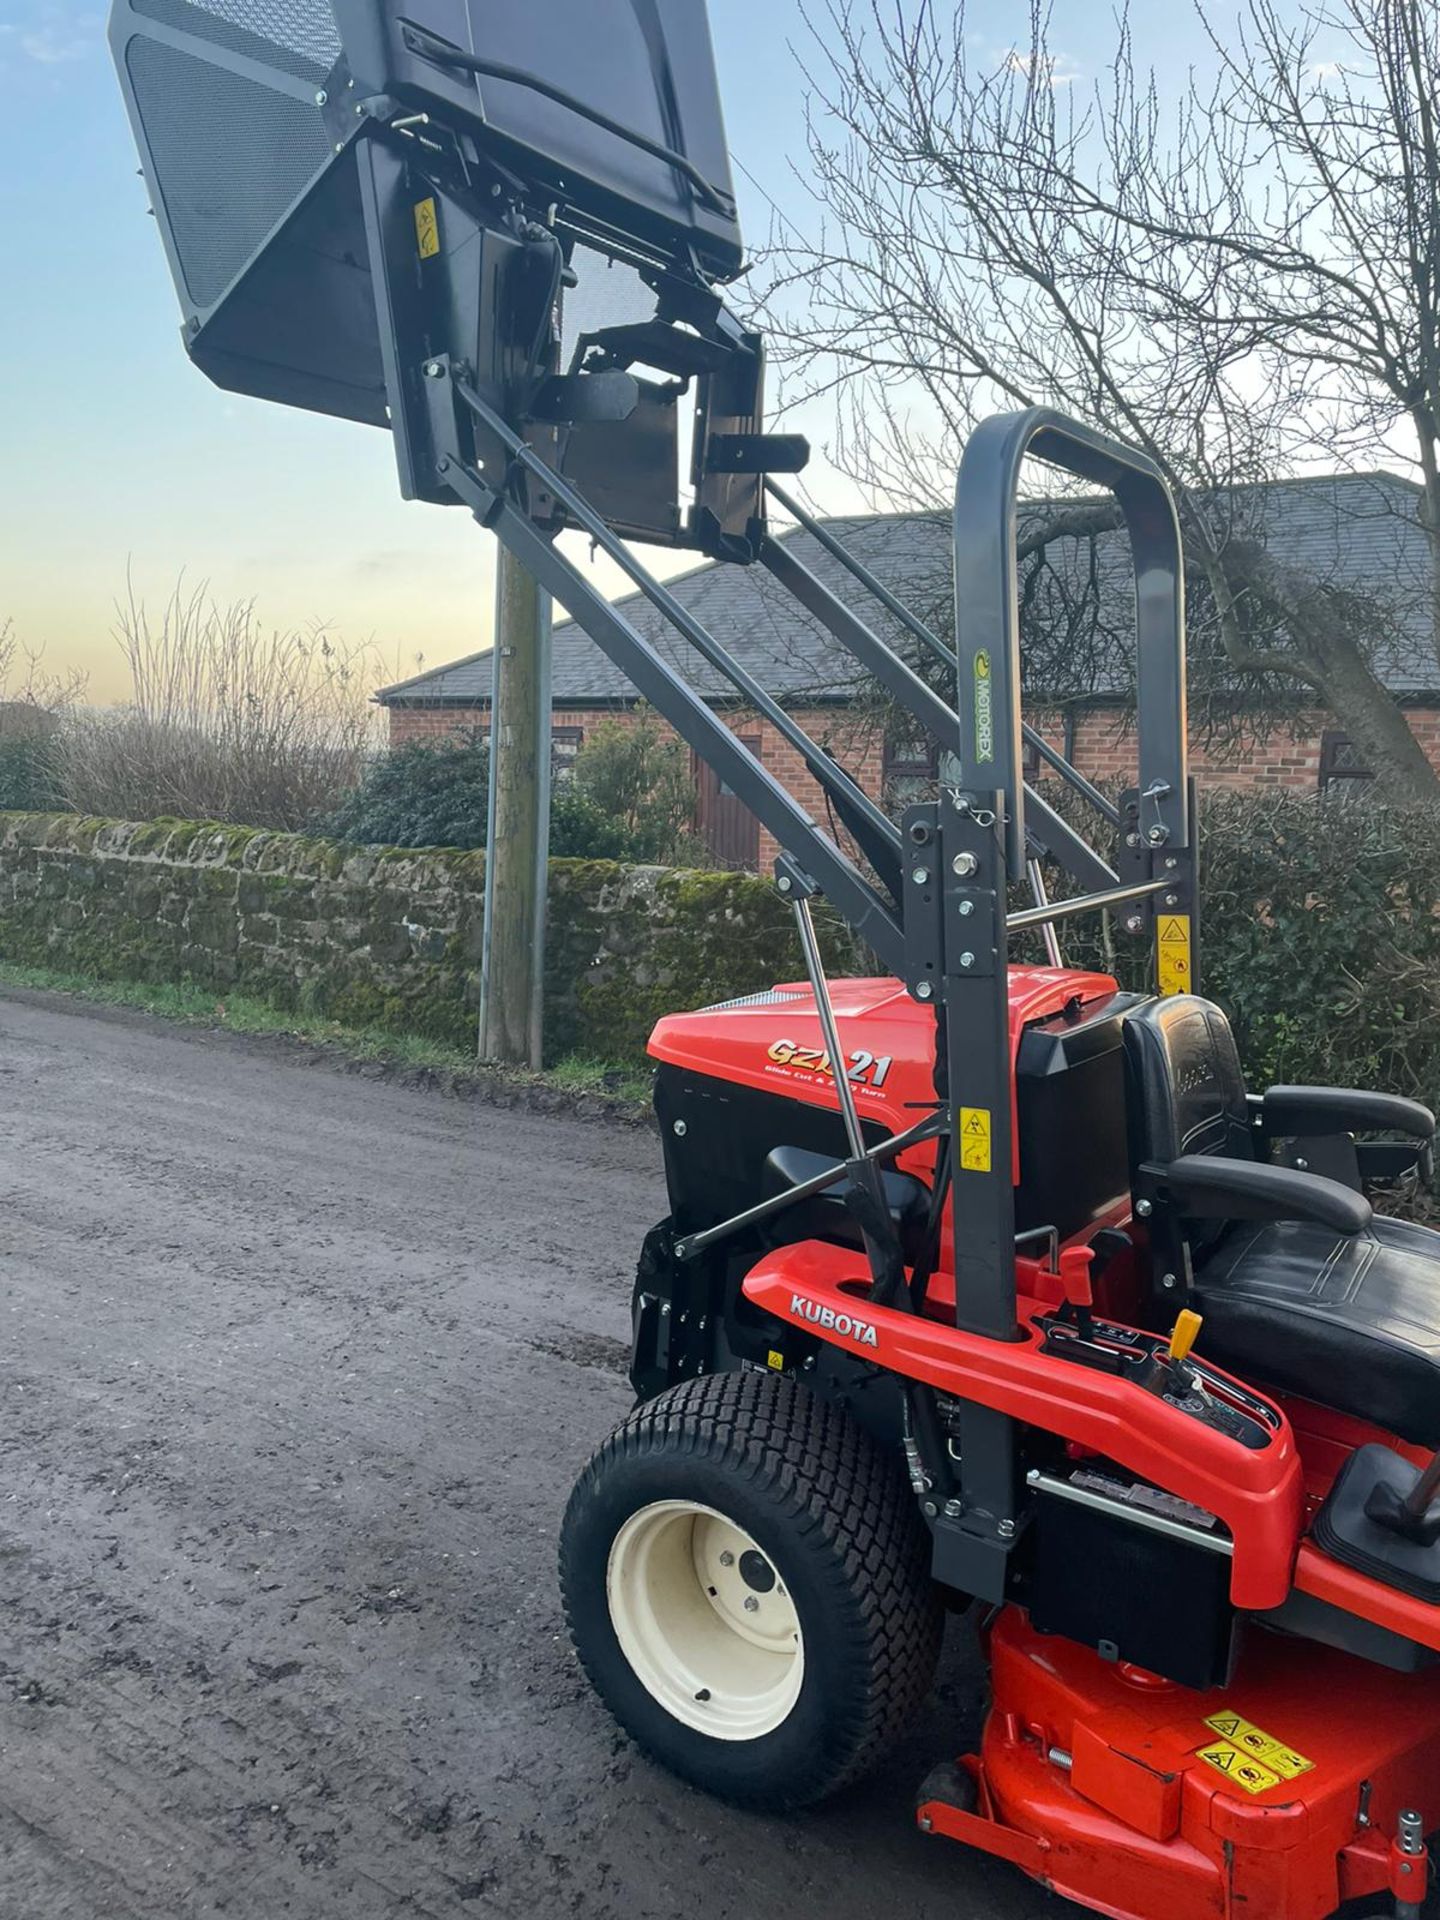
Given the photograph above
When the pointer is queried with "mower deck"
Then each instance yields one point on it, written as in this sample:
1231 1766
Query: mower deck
1139 1798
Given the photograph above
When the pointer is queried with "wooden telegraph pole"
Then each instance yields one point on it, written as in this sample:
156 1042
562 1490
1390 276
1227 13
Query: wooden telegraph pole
512 965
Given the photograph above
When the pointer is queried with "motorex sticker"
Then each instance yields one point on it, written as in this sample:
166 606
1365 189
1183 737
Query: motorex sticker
984 708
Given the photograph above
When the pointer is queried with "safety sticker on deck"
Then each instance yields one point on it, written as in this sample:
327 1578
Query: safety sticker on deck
1172 947
1260 1745
975 1139
1238 1767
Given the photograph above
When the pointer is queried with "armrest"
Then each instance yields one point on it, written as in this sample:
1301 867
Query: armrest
1210 1187
1295 1112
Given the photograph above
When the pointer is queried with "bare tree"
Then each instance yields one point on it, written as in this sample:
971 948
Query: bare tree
993 235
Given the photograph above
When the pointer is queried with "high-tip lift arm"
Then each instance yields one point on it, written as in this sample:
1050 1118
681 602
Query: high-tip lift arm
381 211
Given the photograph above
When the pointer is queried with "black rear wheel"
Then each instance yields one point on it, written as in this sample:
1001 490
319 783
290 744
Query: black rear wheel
747 1584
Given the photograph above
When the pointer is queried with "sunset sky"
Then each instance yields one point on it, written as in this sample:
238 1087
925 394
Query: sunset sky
118 455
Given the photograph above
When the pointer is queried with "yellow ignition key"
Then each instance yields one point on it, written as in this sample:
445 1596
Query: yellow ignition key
1187 1332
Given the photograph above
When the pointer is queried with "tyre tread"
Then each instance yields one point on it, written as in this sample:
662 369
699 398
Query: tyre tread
833 1480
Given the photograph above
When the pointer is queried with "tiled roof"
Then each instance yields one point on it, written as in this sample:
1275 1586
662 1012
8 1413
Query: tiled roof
1357 531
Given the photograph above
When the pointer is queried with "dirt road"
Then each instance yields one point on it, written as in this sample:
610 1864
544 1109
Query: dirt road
295 1372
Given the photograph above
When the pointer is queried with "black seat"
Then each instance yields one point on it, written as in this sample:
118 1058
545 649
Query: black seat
1352 1323
1348 1319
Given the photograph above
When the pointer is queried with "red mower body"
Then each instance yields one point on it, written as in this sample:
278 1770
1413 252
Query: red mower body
1273 1796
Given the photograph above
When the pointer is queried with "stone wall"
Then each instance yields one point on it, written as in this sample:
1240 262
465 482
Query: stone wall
381 936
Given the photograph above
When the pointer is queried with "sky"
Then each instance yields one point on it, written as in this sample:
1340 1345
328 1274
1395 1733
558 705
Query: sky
120 462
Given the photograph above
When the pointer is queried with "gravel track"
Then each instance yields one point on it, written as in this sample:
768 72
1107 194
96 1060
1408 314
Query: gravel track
296 1370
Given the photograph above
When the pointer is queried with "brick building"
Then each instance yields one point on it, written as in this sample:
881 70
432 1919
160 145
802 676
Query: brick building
1355 531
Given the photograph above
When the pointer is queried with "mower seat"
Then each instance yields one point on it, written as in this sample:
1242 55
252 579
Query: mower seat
1301 1287
1351 1323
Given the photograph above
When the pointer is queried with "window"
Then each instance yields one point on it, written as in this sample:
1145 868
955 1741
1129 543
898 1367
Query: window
565 745
911 767
1341 769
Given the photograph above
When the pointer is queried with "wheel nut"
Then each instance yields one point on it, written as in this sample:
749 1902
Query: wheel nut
752 1605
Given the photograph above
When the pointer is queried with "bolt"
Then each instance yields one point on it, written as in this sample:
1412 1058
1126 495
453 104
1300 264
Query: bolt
967 959
1302 1166
923 990
679 1129
359 110
1005 1529
339 146
1144 1209
752 1605
1169 1282
1157 836
964 864
442 465
1172 899
433 369
967 907
929 1509
321 97
727 1559
1134 923
921 876
1171 863
953 1509
927 1825
1132 839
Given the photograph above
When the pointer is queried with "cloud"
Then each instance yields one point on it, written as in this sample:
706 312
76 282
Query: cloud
54 33
1046 70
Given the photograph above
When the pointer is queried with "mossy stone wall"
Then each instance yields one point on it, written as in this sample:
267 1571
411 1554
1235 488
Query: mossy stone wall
381 936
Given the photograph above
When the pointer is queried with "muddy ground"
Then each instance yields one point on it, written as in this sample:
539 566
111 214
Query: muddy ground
296 1370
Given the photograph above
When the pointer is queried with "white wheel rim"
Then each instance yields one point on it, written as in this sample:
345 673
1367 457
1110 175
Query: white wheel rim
705 1620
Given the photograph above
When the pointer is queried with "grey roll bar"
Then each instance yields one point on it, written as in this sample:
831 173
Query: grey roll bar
987 613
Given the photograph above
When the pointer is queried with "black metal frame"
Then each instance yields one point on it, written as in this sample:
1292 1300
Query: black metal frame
938 917
482 416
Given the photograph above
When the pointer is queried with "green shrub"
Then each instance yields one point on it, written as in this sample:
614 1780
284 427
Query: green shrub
436 796
639 774
28 774
1319 935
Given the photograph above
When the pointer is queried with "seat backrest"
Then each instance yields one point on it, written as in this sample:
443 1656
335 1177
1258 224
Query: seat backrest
1185 1092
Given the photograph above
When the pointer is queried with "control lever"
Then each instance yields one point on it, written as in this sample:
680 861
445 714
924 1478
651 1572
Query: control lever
1415 1514
1183 1336
1076 1284
1168 1373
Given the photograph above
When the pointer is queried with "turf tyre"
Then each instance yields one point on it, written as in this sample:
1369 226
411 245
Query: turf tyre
832 1512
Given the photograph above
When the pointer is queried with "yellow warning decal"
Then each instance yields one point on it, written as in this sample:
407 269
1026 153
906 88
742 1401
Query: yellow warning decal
975 1139
1172 946
1238 1767
427 229
1261 1746
775 1361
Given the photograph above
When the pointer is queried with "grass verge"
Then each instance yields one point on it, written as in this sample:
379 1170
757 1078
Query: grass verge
238 1013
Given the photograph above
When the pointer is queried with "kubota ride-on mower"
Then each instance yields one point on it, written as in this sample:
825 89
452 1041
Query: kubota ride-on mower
981 1282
